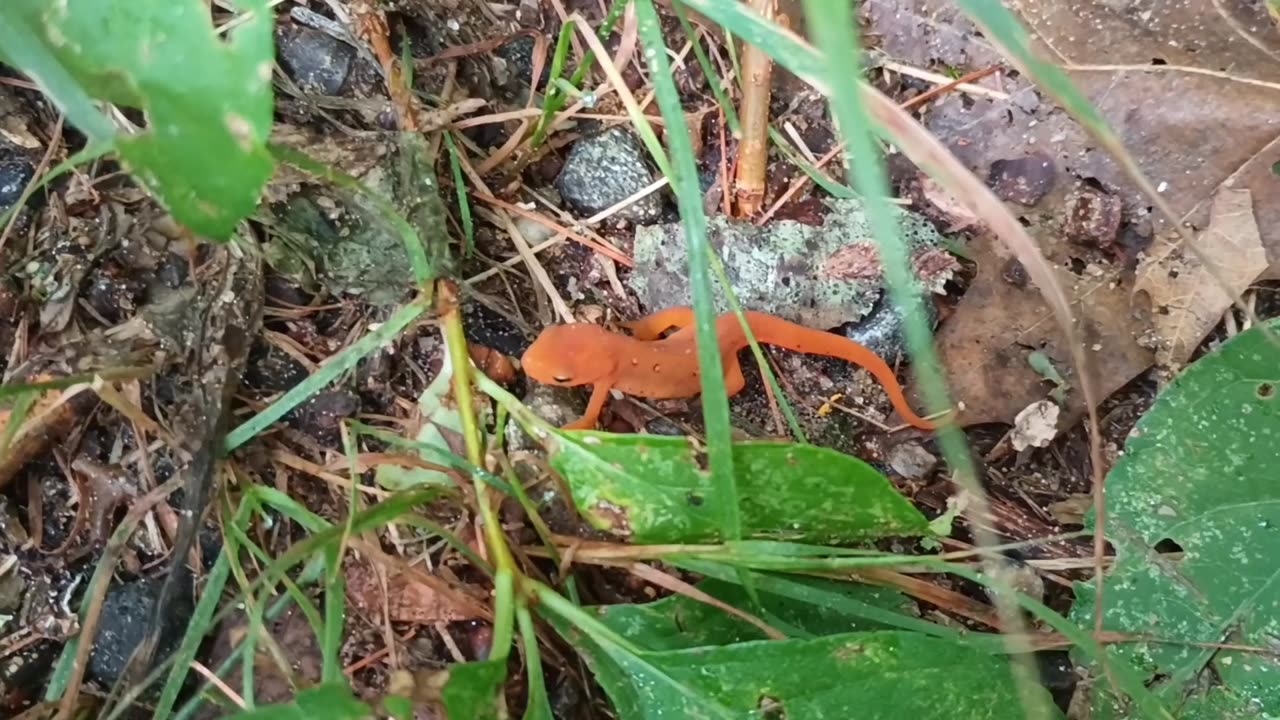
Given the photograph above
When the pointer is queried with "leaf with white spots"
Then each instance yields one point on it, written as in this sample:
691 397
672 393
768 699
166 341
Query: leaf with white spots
654 490
1193 511
206 101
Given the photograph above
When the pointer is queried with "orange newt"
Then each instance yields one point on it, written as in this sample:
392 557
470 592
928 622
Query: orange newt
647 365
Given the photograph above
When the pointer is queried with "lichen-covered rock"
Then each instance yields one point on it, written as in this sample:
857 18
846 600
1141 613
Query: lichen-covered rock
604 169
822 277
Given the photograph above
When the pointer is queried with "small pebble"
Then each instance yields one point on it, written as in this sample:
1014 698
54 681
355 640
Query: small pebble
604 169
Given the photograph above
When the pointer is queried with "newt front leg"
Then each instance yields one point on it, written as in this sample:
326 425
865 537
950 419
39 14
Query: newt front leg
595 406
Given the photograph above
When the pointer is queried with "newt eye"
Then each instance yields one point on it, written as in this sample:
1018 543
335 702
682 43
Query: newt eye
562 378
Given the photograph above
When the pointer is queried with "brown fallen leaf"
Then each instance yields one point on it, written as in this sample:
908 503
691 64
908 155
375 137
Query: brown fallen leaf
1192 89
408 599
1186 300
984 346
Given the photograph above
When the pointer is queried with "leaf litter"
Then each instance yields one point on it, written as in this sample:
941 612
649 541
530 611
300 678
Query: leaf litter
1033 360
1165 91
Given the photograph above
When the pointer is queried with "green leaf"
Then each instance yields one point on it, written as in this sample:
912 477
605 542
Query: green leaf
440 421
333 701
653 490
471 692
678 623
208 102
890 675
1199 472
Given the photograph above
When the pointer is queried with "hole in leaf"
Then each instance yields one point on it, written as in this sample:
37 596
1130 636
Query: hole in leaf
1167 545
1266 391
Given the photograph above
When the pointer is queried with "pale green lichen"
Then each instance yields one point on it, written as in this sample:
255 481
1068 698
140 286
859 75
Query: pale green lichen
778 269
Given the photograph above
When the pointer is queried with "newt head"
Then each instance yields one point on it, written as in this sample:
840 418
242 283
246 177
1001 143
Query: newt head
569 355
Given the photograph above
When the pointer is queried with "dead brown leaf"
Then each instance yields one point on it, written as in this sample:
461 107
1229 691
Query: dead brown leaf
984 346
408 599
1192 89
1186 300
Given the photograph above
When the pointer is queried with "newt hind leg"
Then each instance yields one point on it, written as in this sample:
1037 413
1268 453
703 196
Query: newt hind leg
652 326
734 381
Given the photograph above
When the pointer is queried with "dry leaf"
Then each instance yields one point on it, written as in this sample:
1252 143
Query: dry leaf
1192 89
1186 300
1035 426
984 346
408 600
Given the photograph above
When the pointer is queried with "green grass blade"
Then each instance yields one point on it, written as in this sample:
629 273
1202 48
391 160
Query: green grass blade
682 173
834 28
464 203
329 372
20 47
556 97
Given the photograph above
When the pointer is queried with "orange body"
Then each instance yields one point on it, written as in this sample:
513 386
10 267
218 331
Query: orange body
647 365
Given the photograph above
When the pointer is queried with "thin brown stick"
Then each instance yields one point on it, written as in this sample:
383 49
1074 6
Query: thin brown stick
543 220
676 585
753 152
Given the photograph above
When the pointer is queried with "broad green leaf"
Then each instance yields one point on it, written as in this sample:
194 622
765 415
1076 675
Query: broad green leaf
678 623
869 675
208 101
1199 474
471 692
654 490
333 701
440 421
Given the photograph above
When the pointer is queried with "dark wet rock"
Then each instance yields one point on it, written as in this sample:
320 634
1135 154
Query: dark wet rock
127 615
518 55
1093 218
112 294
317 62
16 173
605 169
1022 180
272 370
486 327
320 416
1015 273
884 330
173 270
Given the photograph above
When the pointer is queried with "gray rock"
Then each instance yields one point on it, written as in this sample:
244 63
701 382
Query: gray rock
822 277
317 62
605 169
127 614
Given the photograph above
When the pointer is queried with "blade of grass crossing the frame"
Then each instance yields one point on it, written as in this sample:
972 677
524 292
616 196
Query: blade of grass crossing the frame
1003 28
683 176
833 25
556 97
538 706
330 371
665 88
464 203
790 51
